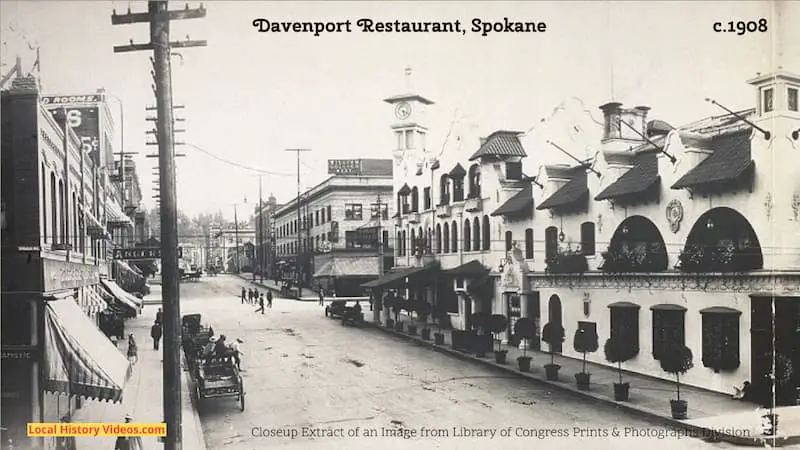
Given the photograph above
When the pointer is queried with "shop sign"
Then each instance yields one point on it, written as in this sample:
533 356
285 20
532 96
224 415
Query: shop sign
344 166
18 353
71 99
60 275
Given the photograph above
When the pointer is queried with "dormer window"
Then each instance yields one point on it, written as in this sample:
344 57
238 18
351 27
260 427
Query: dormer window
444 190
792 99
768 100
475 181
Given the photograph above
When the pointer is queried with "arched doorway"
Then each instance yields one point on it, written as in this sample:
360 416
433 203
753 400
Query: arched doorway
722 240
554 317
636 246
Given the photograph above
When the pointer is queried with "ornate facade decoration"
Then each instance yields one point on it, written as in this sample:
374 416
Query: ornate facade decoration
768 205
674 215
796 205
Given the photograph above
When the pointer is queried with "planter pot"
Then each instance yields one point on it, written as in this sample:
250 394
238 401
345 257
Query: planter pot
412 330
426 334
769 424
551 371
500 356
398 327
583 380
524 363
438 338
389 323
480 352
678 408
621 391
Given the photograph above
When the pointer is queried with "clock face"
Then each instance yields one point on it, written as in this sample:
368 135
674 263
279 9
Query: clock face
402 110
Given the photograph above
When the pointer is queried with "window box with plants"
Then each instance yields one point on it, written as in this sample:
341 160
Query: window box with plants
567 261
585 341
553 334
525 330
677 359
617 352
696 258
624 259
481 337
499 324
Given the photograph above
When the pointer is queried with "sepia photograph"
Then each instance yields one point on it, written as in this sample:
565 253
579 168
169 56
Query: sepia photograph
240 225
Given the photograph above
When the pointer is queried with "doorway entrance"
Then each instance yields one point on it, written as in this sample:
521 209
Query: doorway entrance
554 317
785 321
533 313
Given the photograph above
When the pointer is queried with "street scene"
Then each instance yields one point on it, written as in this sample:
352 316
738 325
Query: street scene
258 224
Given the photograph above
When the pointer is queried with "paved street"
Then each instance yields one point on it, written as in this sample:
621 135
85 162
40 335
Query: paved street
307 371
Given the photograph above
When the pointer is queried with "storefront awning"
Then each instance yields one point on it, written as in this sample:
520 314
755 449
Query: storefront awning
520 203
94 303
116 217
94 228
641 179
123 297
347 268
80 359
399 274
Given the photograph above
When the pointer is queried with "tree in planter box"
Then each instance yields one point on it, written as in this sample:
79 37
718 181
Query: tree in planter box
390 302
410 306
525 329
585 341
498 324
617 352
553 334
677 360
480 322
423 311
398 305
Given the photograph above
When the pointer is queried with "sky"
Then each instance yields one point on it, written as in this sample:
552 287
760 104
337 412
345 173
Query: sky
248 95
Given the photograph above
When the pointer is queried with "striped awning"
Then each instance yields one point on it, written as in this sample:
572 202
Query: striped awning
94 228
115 217
123 297
92 302
80 360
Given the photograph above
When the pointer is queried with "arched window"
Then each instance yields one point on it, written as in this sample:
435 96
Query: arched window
550 242
404 243
429 240
444 190
476 234
44 205
509 240
529 243
414 199
487 235
438 238
475 181
446 238
587 238
53 207
413 241
467 236
454 240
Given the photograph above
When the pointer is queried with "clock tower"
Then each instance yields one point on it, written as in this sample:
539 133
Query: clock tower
409 129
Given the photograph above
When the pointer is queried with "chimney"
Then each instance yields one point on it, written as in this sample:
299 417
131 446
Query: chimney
26 84
611 118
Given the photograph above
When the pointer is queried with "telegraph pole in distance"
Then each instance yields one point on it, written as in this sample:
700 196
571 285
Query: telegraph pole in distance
299 223
159 18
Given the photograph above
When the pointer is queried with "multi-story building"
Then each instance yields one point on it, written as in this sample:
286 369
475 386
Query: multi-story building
265 236
55 190
229 245
669 235
340 233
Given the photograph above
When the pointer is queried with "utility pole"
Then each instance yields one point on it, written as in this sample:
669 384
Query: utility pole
260 218
298 268
236 233
159 19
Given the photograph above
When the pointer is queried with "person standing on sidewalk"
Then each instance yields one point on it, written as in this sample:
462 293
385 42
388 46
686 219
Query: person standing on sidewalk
321 298
133 351
261 305
269 299
155 333
244 292
159 316
128 442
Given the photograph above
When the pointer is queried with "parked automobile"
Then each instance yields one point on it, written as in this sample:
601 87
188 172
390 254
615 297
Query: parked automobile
335 309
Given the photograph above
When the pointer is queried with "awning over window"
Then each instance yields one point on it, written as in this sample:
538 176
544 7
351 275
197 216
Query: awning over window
573 193
80 359
521 202
94 228
347 268
115 216
398 275
123 297
473 268
94 302
637 181
730 161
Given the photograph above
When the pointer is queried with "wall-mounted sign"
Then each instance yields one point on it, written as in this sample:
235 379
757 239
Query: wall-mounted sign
59 275
345 167
18 353
141 253
84 121
71 99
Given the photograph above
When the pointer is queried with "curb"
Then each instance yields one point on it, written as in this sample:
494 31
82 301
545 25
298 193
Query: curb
694 431
193 437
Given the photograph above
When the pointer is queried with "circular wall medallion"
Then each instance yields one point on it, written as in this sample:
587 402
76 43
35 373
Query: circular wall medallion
674 215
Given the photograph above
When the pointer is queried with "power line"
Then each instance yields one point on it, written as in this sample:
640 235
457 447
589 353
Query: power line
236 164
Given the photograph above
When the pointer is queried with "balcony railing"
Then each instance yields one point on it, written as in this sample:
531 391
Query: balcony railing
443 211
474 204
567 263
701 258
633 261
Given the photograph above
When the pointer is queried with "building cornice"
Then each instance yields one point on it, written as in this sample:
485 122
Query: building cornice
315 194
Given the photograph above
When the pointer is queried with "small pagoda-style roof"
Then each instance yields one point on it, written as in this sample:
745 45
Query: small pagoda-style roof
501 143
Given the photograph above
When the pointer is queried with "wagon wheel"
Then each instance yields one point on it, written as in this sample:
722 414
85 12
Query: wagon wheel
241 402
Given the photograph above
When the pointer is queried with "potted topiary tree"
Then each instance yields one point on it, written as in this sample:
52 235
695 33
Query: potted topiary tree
617 352
398 306
781 392
553 335
677 360
423 311
585 341
525 329
498 324
411 306
389 305
441 320
481 333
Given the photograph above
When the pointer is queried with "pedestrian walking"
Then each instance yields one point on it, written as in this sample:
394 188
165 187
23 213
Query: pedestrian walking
321 298
261 305
66 442
250 296
128 442
269 299
237 352
159 316
133 351
155 333
244 292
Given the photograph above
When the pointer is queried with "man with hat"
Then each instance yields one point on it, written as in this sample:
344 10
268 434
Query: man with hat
128 442
237 351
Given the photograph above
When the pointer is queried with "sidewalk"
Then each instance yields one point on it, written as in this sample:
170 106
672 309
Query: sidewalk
712 416
142 397
309 295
